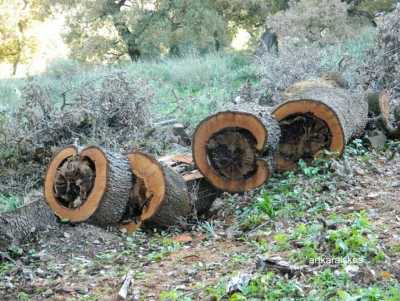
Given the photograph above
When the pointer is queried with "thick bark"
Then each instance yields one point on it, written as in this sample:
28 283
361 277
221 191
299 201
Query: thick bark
24 223
316 116
176 206
202 193
114 201
165 199
233 149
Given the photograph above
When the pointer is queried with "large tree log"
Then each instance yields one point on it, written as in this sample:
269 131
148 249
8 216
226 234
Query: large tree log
315 116
22 224
233 149
160 197
91 185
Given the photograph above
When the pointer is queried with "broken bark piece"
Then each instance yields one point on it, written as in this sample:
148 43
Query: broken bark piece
315 117
91 185
202 193
279 265
388 114
233 149
23 223
162 198
123 292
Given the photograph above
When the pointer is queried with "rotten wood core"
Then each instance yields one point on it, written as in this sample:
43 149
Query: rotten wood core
137 203
303 137
330 117
74 181
90 185
232 153
233 149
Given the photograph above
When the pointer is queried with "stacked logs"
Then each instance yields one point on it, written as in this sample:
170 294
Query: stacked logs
234 150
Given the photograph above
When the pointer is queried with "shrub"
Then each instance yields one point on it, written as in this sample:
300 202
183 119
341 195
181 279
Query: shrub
307 61
324 21
383 68
112 112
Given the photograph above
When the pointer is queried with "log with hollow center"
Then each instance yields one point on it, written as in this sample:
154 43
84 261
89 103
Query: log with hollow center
316 116
159 196
233 149
91 185
303 136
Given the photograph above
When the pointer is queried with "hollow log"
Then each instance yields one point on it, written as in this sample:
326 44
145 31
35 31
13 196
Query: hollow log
233 149
202 193
24 223
91 185
386 113
317 116
160 194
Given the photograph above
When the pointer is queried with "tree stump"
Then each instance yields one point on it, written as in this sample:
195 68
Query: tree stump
317 116
233 149
91 185
22 224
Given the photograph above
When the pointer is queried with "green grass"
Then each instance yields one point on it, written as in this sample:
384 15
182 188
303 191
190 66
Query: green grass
186 88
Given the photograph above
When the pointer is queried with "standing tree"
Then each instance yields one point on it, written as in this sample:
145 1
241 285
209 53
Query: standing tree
108 30
17 44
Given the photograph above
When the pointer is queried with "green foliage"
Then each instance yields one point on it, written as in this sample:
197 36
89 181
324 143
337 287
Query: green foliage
16 17
162 248
9 203
356 239
375 6
106 30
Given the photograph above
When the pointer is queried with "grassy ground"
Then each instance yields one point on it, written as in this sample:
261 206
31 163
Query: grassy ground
335 233
333 225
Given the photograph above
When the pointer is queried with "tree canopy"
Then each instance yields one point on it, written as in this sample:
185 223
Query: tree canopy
17 43
108 30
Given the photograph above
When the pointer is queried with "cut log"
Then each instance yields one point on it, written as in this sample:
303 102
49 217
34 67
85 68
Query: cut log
233 149
388 114
317 116
159 197
22 224
202 193
91 185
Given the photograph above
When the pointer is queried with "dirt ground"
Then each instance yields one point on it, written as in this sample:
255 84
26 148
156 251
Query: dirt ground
87 263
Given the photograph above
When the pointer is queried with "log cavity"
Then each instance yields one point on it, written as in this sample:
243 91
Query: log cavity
74 181
232 153
138 201
303 136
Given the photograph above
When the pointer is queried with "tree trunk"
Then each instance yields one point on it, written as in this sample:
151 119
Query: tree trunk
22 224
316 116
161 194
233 149
100 199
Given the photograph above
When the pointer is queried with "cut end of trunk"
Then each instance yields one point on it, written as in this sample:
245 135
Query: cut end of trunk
308 127
75 183
226 149
149 187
